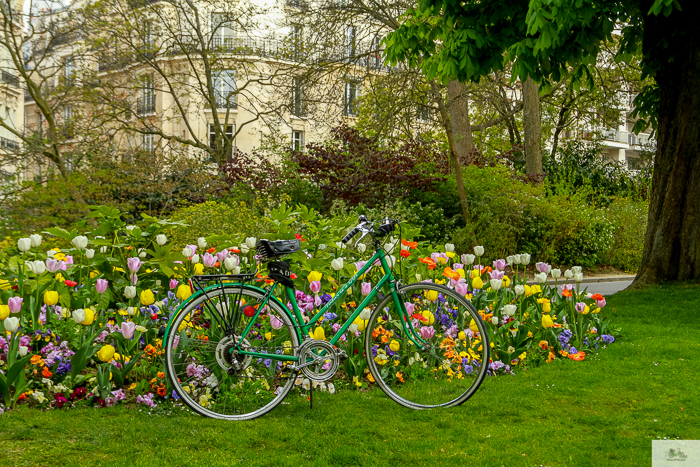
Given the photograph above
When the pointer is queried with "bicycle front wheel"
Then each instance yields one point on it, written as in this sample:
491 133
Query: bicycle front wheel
203 364
438 357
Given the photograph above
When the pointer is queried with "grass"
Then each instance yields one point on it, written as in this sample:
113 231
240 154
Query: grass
605 410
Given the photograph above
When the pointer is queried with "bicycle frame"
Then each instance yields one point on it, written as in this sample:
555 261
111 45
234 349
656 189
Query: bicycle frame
304 329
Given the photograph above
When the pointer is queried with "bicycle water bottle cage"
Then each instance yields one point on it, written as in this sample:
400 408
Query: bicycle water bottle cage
279 271
269 250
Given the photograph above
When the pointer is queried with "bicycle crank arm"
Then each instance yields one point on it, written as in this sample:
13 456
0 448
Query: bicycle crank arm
315 360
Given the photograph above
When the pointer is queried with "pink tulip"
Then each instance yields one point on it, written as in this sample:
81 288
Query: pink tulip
209 260
52 265
500 264
366 288
543 267
101 285
15 304
496 274
600 303
134 264
457 266
580 307
222 255
173 283
359 265
134 278
128 328
315 286
427 332
193 248
275 322
410 308
462 288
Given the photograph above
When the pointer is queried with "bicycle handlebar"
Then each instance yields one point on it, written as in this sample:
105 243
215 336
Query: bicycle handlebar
349 236
384 229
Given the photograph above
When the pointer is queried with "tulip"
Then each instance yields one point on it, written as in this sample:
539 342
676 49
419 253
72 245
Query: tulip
578 277
477 283
365 314
186 252
89 317
195 259
546 307
315 286
198 269
510 310
183 292
4 312
244 248
580 307
37 267
468 259
510 259
394 345
427 332
314 276
130 227
353 328
161 239
80 242
11 324
519 289
275 322
391 260
361 247
496 274
494 320
128 328
173 283
556 273
568 274
23 351
101 285
231 262
541 278
134 264
103 249
478 250
517 259
431 295
450 247
202 242
462 288
547 321
319 334
419 277
78 316
134 278
525 259
142 253
429 317
15 304
410 308
341 245
89 253
50 297
131 310
35 240
209 260
337 264
388 248
601 303
106 353
496 284
24 244
147 297
250 242
500 264
129 291
577 270
140 328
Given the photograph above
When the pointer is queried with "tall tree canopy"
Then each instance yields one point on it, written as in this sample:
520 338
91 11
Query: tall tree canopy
550 40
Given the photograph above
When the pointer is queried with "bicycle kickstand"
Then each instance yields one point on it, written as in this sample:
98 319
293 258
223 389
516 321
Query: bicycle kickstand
311 397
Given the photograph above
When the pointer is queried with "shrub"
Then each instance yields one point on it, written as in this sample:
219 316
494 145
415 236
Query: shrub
629 218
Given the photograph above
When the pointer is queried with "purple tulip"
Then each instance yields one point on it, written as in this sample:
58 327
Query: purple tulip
134 278
427 332
410 308
462 288
496 274
209 260
128 328
315 286
15 304
222 255
101 285
173 283
359 265
192 247
600 303
134 264
366 288
580 307
500 264
543 267
457 266
275 322
52 265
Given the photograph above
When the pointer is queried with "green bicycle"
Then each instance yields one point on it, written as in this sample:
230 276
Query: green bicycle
234 351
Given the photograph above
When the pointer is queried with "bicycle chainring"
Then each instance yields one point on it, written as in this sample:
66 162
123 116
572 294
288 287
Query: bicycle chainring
318 360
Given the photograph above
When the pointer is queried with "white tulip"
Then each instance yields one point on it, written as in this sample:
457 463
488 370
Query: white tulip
337 264
519 289
236 270
11 324
231 262
35 239
510 259
478 250
130 227
244 248
161 239
525 259
541 278
419 277
187 252
578 277
142 253
78 315
391 260
468 259
517 259
37 267
245 259
364 316
131 310
250 242
577 270
510 310
51 252
65 313
340 245
24 244
361 247
202 242
496 284
568 274
353 328
494 320
556 273
130 291
103 249
80 242
140 328
389 248
89 253
23 351
450 247
195 259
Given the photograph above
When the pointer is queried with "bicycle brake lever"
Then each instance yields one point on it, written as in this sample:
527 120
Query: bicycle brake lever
364 234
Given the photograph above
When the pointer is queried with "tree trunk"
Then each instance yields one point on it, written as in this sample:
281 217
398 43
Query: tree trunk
672 240
459 117
532 131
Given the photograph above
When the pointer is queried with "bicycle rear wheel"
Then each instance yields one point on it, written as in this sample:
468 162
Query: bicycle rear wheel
451 361
200 364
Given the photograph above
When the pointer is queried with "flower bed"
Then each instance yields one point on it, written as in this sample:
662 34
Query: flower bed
82 322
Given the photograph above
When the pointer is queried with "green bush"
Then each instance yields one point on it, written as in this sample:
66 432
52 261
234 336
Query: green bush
630 220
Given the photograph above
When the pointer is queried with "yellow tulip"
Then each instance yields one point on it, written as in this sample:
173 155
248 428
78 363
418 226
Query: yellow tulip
461 272
477 283
474 273
473 326
506 281
50 297
183 292
4 312
314 276
106 353
94 274
198 269
528 291
450 254
89 317
429 316
586 310
546 307
360 323
59 277
431 295
319 334
597 310
147 297
462 335
547 321
268 336
394 345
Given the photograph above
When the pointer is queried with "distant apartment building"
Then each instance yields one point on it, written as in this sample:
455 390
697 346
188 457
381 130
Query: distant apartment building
11 94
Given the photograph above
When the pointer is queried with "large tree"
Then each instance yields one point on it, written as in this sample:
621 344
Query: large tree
466 40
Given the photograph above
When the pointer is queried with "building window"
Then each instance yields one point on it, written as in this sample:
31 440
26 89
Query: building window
224 82
146 103
350 41
298 106
226 139
350 96
297 39
376 57
68 122
68 71
149 42
297 140
423 113
223 31
148 142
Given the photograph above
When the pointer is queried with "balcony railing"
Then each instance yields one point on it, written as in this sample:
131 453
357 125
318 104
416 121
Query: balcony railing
8 144
146 105
10 79
223 103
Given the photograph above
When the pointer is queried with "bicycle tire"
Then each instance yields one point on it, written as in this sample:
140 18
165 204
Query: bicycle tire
196 348
445 372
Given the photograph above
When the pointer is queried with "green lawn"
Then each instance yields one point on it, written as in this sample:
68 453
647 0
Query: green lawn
599 412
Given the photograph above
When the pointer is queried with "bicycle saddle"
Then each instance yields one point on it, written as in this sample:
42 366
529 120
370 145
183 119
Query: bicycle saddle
268 250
